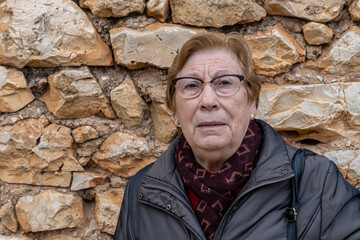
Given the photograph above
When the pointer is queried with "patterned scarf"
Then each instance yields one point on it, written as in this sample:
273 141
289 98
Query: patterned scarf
217 191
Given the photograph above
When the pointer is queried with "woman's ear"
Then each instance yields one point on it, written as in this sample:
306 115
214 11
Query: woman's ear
253 109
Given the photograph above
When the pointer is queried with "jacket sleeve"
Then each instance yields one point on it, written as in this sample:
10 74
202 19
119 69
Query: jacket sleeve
340 206
123 228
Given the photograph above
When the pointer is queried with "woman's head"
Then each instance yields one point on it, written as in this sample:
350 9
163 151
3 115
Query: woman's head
233 42
213 91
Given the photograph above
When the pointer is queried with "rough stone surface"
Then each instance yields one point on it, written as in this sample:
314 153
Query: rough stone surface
114 8
354 10
84 133
318 11
75 93
50 33
313 111
155 45
274 51
84 180
348 162
158 9
8 218
14 92
343 56
317 33
50 210
2 237
34 152
62 237
123 154
216 13
164 124
107 209
127 103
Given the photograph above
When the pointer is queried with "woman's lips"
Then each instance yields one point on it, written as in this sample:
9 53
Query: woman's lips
210 124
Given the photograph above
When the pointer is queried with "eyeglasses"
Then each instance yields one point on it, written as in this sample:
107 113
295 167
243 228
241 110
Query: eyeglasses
224 86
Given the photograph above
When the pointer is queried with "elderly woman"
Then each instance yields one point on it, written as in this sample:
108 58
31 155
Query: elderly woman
228 176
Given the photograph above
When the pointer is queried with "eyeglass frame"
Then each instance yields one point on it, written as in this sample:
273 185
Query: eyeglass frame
240 77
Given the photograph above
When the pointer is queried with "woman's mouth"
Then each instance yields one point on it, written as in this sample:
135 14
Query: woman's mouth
210 124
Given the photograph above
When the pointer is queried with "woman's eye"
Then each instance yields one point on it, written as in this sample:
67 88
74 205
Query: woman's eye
192 85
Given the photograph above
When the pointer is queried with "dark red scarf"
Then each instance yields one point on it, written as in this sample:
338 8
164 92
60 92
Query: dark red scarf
217 191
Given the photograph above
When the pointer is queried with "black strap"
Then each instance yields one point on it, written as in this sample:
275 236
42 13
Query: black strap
292 211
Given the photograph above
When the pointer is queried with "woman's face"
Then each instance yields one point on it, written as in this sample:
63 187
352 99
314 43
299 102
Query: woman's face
209 122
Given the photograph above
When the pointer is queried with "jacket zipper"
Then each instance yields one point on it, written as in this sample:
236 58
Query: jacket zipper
242 193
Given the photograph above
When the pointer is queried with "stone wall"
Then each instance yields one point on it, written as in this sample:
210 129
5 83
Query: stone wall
82 87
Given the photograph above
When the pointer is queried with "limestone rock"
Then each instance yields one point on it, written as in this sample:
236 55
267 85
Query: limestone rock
84 133
313 111
123 154
2 237
274 51
107 209
8 218
34 152
84 180
164 124
156 45
318 11
114 8
50 210
75 93
49 33
348 162
352 94
215 13
127 103
354 10
62 237
317 33
343 56
14 92
158 9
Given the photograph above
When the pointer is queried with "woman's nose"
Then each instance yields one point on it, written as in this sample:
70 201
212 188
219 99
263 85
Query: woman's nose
208 98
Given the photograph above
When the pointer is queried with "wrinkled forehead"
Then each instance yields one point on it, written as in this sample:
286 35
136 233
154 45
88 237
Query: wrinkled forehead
210 62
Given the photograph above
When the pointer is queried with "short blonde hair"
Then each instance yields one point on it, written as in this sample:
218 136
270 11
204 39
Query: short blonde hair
231 41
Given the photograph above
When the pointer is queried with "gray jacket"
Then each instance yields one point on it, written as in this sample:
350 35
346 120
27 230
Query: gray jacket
156 205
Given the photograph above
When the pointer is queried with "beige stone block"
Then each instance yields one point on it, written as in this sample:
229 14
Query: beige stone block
62 237
352 103
216 13
317 33
314 111
348 162
14 92
317 11
354 10
155 45
84 180
2 237
8 218
49 33
274 51
123 154
107 209
36 153
127 103
84 161
114 8
164 124
158 9
75 93
84 133
50 210
342 57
